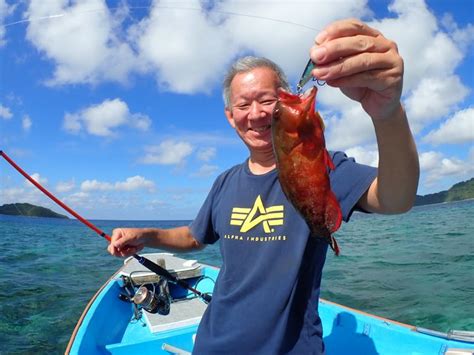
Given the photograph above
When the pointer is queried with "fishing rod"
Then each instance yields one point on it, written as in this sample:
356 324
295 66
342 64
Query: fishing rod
150 265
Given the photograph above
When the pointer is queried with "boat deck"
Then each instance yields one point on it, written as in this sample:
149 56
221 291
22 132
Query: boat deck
182 313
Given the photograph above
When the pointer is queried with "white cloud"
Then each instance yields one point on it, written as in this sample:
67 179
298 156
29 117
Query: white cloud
94 185
464 37
65 186
291 43
39 179
103 118
135 183
5 112
83 40
351 128
192 56
25 195
140 121
456 130
206 154
364 155
169 152
432 99
206 170
435 166
130 184
186 58
79 198
26 123
5 11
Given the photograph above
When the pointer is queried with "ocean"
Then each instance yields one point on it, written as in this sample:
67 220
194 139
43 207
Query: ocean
416 268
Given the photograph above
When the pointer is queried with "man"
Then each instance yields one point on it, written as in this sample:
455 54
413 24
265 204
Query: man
265 299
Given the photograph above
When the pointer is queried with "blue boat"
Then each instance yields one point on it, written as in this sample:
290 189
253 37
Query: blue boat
138 312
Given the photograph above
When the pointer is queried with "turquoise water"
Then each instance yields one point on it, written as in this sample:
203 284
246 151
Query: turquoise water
416 268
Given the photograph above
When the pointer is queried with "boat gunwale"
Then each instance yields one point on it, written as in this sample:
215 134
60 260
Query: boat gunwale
96 295
371 315
86 310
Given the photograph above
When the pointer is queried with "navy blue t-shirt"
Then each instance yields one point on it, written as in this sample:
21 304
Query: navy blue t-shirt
265 300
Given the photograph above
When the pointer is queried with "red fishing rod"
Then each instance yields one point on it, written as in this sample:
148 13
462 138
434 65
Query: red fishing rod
150 265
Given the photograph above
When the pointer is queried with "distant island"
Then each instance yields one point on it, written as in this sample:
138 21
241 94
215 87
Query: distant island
461 191
27 209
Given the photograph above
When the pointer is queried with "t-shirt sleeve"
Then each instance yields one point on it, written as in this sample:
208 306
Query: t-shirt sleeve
202 227
349 181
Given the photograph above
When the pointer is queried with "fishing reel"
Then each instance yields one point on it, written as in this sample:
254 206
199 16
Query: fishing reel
154 298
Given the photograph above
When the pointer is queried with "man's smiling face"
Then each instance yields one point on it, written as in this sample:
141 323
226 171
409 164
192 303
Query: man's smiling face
253 96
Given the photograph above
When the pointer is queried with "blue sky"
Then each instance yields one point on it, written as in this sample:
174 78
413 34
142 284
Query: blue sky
115 106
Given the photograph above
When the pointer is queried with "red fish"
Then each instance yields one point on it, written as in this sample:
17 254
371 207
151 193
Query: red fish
303 163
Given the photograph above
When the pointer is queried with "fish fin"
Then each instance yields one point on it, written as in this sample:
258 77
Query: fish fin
333 213
328 160
320 119
334 246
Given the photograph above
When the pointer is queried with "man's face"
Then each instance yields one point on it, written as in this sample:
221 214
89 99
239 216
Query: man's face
252 100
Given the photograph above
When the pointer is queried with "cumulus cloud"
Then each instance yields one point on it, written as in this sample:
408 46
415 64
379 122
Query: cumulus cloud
26 123
5 10
456 130
206 170
103 118
432 99
206 154
84 40
253 24
5 112
65 186
168 152
130 184
364 155
135 183
192 56
25 195
39 179
464 37
351 127
435 166
186 58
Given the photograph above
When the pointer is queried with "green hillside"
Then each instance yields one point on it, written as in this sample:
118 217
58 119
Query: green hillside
460 191
26 209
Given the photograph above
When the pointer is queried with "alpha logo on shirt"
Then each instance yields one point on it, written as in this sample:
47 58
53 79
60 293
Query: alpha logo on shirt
248 218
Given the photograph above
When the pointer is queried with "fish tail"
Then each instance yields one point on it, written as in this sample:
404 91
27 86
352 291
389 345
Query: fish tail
334 246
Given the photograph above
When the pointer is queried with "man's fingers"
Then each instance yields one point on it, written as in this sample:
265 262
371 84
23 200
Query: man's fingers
349 46
363 62
345 28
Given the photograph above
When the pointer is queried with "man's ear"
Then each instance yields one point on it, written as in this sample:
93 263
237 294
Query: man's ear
230 118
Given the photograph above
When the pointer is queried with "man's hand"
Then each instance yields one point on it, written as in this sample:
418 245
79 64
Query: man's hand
126 241
363 63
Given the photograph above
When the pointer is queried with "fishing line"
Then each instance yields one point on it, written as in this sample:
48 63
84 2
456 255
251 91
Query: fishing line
222 12
157 269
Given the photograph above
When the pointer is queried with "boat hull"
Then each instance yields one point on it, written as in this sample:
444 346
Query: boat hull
108 327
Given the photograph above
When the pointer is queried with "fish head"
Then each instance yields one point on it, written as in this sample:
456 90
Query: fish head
292 111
